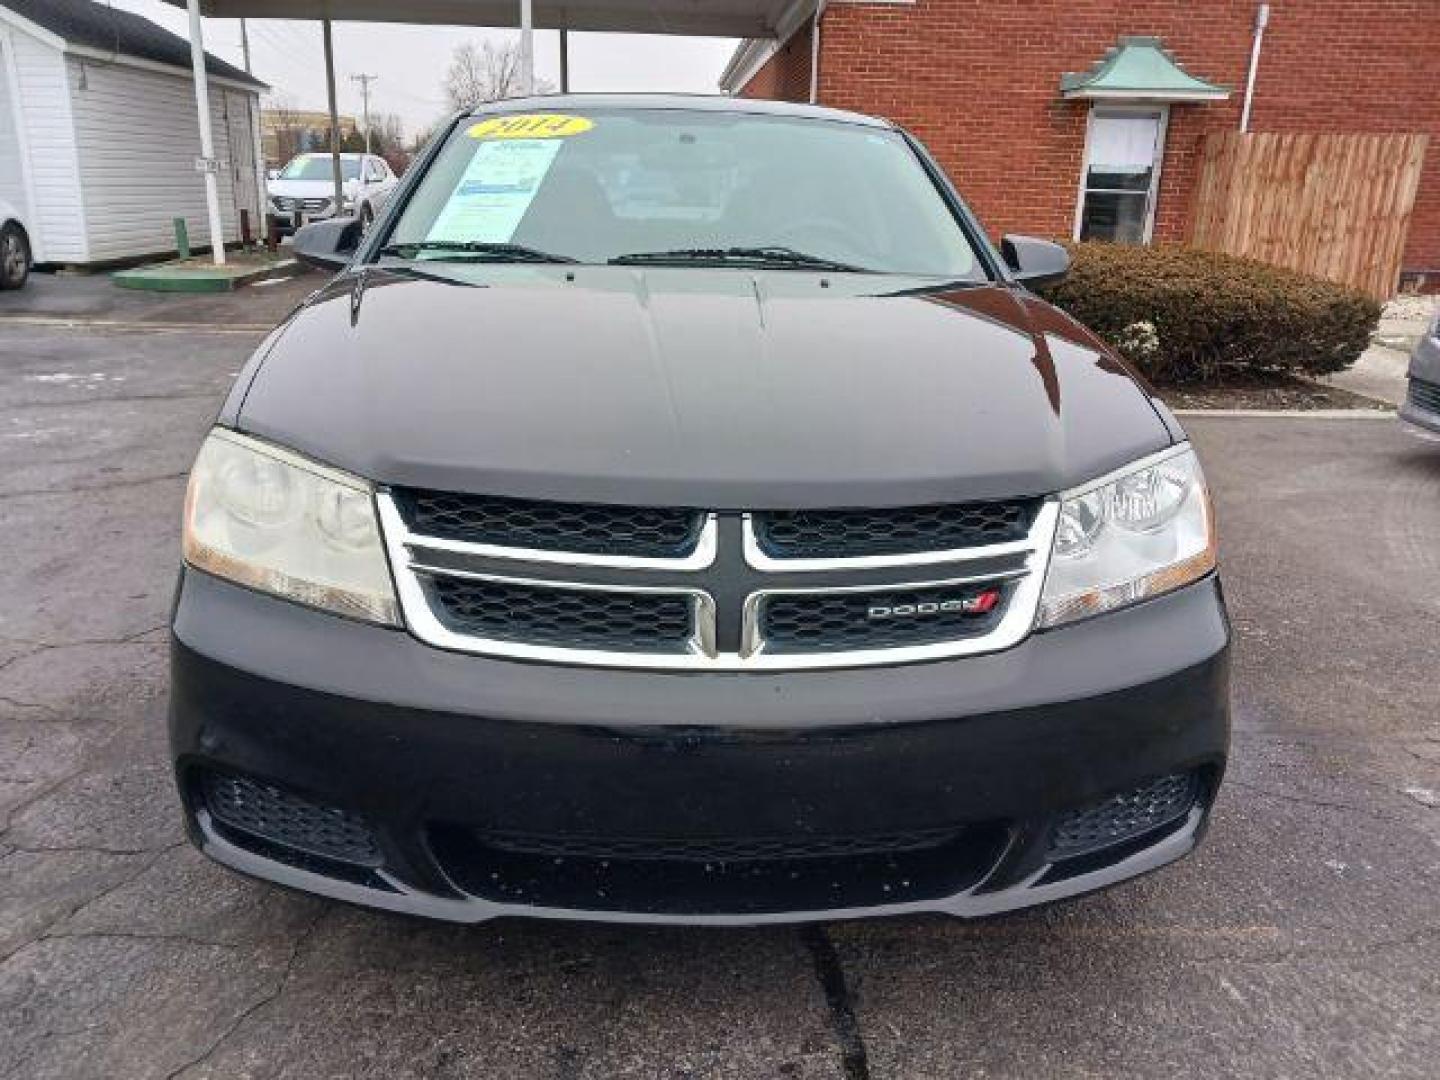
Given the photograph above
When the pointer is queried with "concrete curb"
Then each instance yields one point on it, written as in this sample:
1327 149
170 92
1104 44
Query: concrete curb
1293 414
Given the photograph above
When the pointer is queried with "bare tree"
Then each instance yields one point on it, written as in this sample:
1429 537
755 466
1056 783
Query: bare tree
478 74
283 125
387 133
387 136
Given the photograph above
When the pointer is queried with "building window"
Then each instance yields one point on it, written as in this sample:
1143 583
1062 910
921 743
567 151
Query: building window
1123 151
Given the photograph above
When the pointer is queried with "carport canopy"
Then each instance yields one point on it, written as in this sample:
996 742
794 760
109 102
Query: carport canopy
710 18
713 18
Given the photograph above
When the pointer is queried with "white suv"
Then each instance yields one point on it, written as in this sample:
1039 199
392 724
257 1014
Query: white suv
306 186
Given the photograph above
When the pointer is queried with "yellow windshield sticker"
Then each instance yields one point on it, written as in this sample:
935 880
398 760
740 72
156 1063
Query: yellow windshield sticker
531 126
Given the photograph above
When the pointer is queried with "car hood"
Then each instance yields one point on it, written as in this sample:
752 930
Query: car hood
683 386
302 189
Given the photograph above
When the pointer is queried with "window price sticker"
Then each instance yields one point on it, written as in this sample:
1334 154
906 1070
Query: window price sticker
496 189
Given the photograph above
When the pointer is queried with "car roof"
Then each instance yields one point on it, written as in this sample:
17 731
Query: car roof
692 102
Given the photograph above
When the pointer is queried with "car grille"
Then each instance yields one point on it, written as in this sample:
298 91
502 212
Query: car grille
1425 395
282 818
711 875
574 618
718 849
290 205
806 622
1124 817
679 588
863 533
641 532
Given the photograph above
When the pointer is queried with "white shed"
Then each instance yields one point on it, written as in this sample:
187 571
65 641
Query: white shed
98 137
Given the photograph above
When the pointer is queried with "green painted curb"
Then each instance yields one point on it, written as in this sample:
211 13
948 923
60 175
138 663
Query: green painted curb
172 277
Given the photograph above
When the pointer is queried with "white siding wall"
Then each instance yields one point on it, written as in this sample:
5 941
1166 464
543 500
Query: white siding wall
138 140
54 169
12 176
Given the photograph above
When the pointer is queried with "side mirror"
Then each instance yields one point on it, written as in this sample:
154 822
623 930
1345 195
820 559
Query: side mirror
1035 262
328 245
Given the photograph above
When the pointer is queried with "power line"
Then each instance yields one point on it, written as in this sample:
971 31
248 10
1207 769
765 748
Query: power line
282 55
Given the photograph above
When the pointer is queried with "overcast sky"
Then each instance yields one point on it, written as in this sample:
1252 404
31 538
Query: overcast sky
411 60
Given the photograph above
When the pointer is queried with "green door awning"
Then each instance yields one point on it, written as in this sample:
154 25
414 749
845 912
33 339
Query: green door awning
1139 69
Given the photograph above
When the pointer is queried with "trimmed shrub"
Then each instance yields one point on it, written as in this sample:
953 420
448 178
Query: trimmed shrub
1182 315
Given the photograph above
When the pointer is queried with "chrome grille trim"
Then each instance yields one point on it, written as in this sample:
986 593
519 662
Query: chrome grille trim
755 555
430 629
703 556
1017 622
1028 561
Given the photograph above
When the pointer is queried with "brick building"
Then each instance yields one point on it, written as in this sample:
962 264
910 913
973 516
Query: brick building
1016 100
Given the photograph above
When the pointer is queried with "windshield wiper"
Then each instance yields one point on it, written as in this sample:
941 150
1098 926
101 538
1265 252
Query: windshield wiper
474 250
768 256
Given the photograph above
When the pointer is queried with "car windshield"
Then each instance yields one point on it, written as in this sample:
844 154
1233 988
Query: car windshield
318 168
682 187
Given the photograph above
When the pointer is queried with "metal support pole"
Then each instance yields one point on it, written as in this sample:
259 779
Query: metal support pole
815 52
564 60
207 137
1262 20
527 47
334 117
262 183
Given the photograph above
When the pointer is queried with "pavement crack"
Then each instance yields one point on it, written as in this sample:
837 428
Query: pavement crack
301 939
21 656
85 324
1308 800
16 703
37 647
83 489
49 933
51 849
119 399
831 974
11 812
60 933
1285 956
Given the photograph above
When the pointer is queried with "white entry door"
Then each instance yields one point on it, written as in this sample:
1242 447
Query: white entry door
1121 177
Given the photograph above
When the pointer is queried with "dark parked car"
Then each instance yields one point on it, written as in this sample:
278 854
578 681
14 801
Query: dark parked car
1422 398
755 547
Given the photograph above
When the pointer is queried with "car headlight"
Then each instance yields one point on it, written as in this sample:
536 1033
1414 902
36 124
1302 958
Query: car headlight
1143 532
272 520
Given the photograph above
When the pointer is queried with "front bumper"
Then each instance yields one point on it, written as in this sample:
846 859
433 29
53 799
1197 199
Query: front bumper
1422 399
441 753
285 219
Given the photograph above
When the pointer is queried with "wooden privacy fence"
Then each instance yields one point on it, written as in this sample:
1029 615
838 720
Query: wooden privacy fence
1336 206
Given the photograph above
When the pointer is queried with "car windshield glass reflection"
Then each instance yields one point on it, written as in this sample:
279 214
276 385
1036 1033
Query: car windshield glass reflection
320 168
687 188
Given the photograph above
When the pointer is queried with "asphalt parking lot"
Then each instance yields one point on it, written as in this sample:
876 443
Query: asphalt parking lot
1303 939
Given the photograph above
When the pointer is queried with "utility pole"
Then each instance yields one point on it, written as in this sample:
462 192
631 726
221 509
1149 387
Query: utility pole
245 46
365 81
